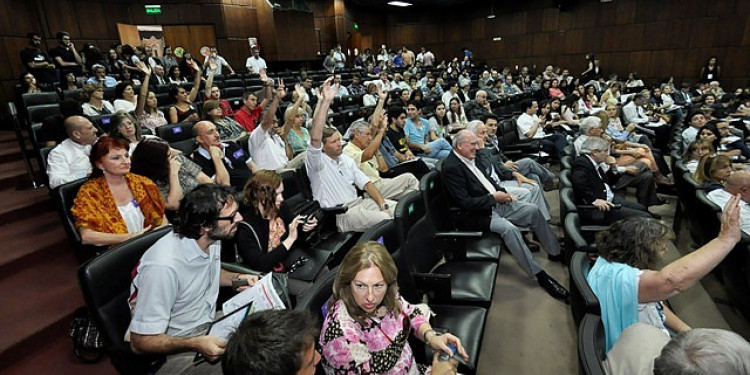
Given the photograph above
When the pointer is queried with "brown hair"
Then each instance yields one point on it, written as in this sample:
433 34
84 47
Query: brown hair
261 190
635 241
208 106
708 166
362 256
101 148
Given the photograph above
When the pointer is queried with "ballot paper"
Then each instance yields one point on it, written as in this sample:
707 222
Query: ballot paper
262 295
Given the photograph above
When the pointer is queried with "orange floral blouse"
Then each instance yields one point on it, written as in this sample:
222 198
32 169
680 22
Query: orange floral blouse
95 207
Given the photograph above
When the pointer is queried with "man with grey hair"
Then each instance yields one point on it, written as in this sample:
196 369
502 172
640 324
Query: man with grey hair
645 349
514 182
468 185
738 183
593 175
363 148
479 107
636 174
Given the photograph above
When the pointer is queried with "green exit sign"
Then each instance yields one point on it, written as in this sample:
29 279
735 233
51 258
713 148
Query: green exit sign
153 9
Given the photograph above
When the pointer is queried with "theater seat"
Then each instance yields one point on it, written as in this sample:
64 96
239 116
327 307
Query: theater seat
64 195
582 299
299 198
105 284
176 132
463 244
318 294
591 348
456 282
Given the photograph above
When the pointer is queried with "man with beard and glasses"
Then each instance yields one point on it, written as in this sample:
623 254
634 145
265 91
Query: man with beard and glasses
176 284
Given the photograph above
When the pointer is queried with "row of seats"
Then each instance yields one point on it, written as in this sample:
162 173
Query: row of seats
459 290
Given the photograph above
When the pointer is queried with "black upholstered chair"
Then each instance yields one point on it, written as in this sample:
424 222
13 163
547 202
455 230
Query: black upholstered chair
582 298
105 283
175 132
456 282
39 98
464 244
591 345
298 197
187 146
709 214
318 294
64 195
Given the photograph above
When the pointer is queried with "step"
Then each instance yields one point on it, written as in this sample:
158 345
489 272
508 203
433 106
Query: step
56 357
14 174
19 204
36 302
9 151
30 241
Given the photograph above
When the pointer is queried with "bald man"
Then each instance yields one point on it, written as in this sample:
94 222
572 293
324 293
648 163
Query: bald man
738 183
222 161
70 160
479 107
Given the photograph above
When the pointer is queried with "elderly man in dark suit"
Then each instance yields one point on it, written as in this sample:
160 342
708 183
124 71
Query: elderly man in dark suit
469 185
592 174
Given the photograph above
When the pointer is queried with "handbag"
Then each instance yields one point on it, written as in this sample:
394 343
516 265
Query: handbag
88 344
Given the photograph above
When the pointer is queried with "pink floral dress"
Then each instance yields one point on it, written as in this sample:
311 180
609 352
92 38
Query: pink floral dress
378 347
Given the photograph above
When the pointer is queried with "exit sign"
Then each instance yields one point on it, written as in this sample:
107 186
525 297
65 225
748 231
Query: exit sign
153 9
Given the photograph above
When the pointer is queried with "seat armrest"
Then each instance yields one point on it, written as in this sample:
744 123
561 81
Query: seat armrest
436 286
592 207
458 235
236 267
340 209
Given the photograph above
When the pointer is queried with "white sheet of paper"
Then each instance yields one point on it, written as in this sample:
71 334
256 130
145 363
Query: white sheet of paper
225 327
262 294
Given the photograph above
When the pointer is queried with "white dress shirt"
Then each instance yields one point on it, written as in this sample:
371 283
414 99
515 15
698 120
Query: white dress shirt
267 149
68 162
721 197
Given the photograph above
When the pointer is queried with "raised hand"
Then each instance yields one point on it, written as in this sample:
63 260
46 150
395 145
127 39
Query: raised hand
213 65
143 67
328 90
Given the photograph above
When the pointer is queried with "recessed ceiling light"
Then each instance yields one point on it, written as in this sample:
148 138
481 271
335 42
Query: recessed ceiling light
399 3
491 16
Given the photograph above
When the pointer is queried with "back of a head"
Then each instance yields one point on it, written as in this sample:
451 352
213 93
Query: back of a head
704 351
270 342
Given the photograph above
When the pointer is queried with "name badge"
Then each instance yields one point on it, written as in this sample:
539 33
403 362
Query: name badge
238 154
176 130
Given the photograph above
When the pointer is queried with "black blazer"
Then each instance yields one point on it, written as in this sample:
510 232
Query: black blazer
464 190
587 185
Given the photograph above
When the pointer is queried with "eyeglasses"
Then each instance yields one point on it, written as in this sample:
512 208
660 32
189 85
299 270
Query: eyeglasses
229 218
363 289
297 264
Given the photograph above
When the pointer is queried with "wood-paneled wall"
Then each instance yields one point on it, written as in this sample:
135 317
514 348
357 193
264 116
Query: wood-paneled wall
654 38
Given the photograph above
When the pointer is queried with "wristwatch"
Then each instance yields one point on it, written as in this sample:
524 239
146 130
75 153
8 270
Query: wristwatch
384 207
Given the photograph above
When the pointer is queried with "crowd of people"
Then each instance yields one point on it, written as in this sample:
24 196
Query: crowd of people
416 114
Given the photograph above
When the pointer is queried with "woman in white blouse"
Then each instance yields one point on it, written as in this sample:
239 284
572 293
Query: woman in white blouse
125 98
95 105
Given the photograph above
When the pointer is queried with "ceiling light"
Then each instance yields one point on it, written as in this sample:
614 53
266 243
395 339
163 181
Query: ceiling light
399 3
491 16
